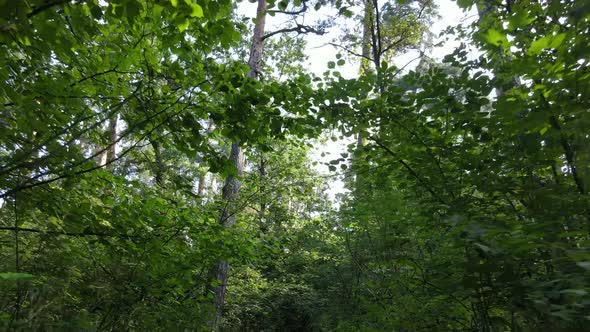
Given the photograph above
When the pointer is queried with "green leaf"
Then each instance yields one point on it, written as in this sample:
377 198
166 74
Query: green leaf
465 4
520 20
331 64
197 10
183 25
95 11
495 37
551 41
579 292
283 5
132 9
15 275
174 3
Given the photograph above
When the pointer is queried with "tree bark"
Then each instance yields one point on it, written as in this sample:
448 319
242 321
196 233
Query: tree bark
231 188
263 201
109 154
159 165
366 46
203 176
366 50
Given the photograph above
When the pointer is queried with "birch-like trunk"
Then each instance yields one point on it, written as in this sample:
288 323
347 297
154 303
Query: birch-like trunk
109 154
203 176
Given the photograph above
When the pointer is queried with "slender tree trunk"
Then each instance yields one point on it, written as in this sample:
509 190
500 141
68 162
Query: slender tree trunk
263 202
203 176
109 154
111 151
366 47
201 186
159 165
366 52
213 186
231 188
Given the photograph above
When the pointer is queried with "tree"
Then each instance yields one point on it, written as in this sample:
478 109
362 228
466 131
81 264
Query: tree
469 209
231 188
483 179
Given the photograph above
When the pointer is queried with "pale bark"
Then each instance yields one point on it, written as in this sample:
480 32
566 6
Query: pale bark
201 185
231 188
213 186
203 176
109 154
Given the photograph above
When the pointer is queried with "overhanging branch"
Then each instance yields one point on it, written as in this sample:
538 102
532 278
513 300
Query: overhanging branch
299 28
74 234
409 168
47 5
351 51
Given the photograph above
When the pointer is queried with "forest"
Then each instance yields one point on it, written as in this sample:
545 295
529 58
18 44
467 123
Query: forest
160 166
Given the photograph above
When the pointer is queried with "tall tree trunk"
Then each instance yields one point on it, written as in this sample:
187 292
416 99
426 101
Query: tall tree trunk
263 202
109 154
159 165
366 46
201 185
366 52
231 188
203 176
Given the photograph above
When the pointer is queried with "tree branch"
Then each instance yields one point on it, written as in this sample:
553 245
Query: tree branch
70 173
299 28
410 169
114 70
81 234
351 51
46 6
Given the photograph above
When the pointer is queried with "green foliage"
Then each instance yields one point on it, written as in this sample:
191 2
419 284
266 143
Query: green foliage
483 220
468 197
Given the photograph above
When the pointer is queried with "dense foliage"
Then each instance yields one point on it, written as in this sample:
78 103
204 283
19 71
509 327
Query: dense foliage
467 207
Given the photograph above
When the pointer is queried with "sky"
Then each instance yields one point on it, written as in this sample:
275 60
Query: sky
319 53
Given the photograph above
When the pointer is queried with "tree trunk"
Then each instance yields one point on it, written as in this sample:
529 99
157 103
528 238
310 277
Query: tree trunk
263 202
231 188
366 46
159 165
203 176
109 154
201 186
366 49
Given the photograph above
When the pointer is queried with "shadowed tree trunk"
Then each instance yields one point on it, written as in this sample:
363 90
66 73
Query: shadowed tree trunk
366 47
231 188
